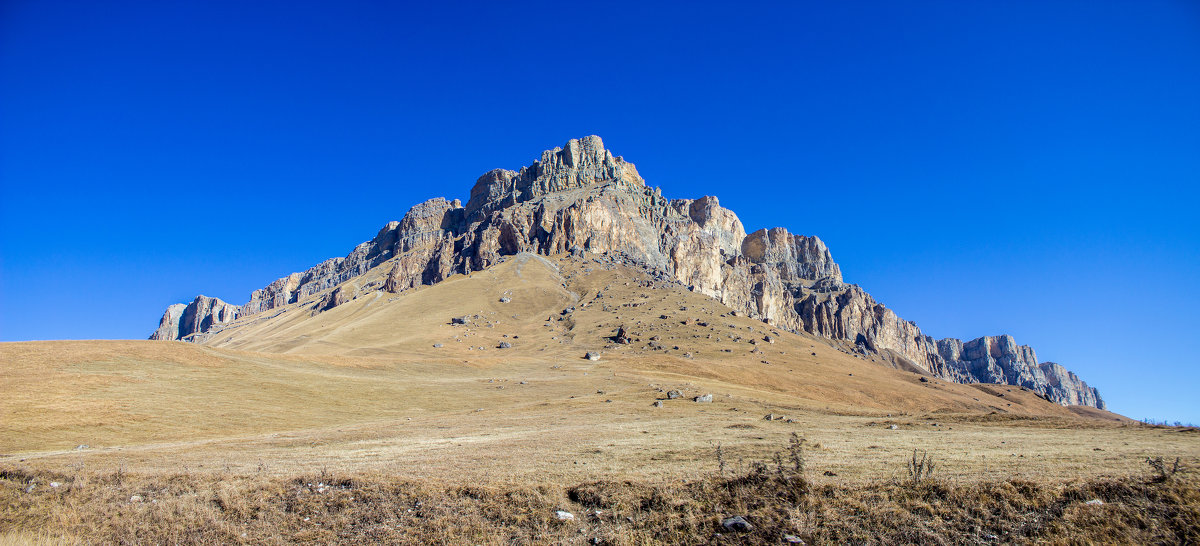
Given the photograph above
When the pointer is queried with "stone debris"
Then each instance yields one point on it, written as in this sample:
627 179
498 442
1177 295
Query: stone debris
703 398
737 524
563 515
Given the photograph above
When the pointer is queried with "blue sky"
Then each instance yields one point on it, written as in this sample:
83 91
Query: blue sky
980 167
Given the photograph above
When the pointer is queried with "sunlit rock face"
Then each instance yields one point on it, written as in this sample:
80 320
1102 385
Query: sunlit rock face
581 198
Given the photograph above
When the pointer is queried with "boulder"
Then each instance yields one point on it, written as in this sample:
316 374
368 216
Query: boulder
737 524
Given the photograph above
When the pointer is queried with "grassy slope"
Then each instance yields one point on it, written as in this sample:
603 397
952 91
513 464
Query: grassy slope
227 435
362 386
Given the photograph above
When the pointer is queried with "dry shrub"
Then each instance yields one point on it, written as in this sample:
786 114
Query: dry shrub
329 509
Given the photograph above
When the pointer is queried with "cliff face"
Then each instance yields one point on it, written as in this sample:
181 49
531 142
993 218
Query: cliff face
581 198
183 321
998 359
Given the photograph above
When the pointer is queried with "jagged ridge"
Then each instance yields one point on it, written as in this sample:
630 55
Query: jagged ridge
582 198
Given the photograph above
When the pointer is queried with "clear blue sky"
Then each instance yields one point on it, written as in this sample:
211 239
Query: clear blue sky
981 167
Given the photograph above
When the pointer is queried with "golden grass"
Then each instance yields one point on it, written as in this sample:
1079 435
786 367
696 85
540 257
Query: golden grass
225 432
330 507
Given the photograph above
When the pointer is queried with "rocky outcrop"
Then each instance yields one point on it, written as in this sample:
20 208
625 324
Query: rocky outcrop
338 296
203 314
998 359
583 198
168 325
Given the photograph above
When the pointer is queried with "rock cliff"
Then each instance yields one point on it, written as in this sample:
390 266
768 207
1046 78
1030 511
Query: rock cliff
183 321
582 198
998 359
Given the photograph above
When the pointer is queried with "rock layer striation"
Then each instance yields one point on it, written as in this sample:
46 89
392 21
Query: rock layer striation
582 198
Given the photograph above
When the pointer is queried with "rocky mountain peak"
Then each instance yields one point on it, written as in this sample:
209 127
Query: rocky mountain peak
582 199
580 163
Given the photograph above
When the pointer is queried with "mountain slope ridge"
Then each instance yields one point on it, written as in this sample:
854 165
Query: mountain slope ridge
582 199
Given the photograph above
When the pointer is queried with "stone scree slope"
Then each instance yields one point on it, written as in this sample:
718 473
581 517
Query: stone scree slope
581 198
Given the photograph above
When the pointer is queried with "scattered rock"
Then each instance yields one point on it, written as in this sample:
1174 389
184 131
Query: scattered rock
504 345
770 417
1094 502
592 356
505 300
81 447
564 515
673 394
703 398
830 473
458 320
737 523
437 345
658 403
793 539
893 427
55 484
135 498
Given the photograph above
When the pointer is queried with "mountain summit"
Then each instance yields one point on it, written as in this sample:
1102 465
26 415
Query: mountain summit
581 199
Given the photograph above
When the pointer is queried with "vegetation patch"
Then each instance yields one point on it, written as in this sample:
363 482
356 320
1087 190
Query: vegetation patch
773 497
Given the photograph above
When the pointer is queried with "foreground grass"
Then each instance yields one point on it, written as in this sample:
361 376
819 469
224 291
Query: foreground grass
123 508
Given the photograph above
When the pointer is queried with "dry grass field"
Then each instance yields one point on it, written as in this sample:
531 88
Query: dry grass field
413 429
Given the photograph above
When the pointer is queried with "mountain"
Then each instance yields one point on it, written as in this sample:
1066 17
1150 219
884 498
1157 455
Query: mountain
580 201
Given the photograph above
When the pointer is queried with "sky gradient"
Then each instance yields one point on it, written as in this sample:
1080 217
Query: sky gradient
981 168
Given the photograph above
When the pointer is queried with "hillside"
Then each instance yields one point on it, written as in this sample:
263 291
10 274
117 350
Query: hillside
399 418
355 379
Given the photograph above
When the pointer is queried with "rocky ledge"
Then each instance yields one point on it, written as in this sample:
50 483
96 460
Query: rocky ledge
583 198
